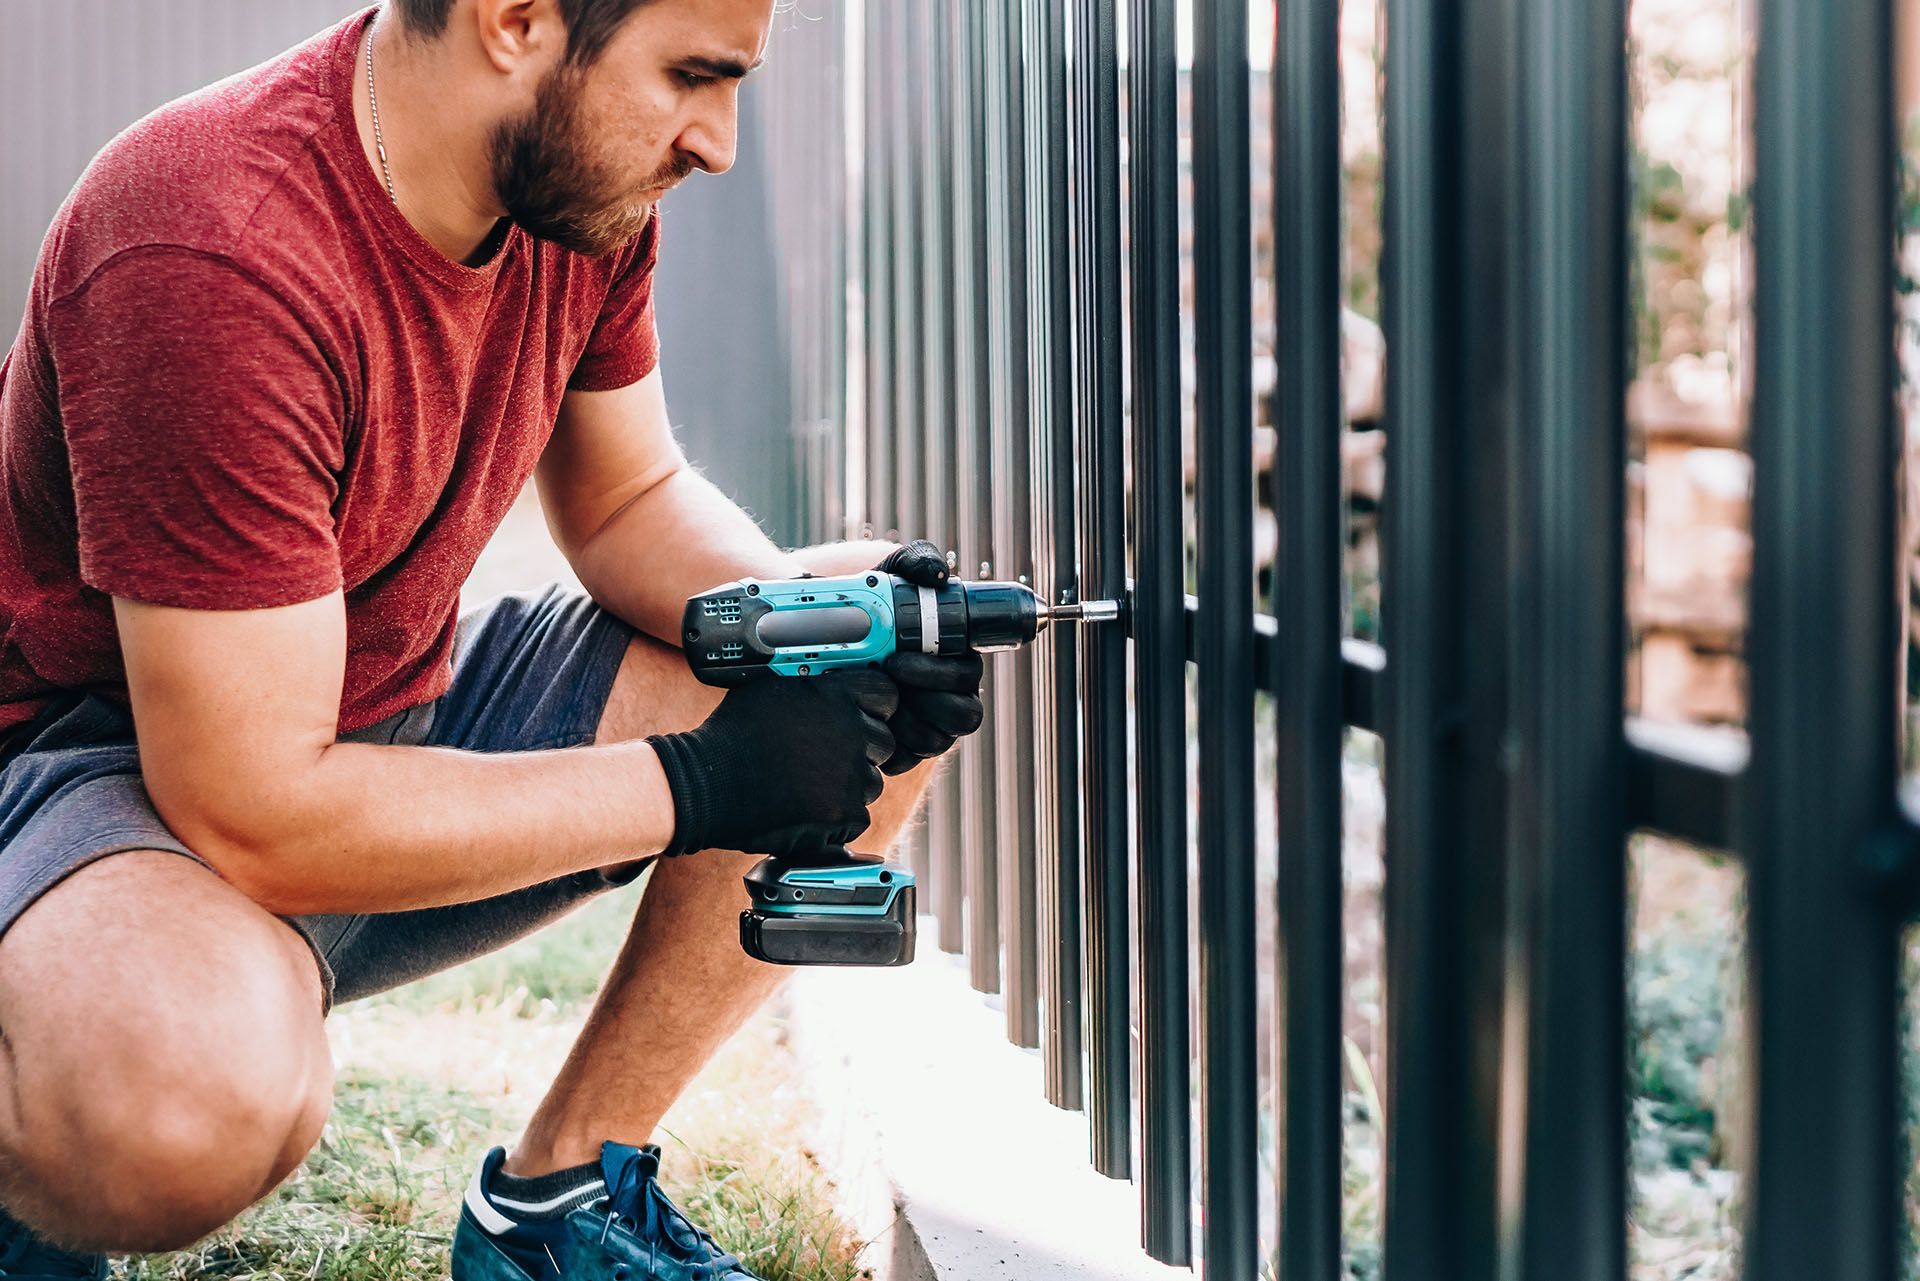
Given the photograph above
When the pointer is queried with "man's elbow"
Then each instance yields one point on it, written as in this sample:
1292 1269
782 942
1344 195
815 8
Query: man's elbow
577 517
256 848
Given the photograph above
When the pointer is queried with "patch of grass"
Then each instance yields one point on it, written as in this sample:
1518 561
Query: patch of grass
773 1209
433 1074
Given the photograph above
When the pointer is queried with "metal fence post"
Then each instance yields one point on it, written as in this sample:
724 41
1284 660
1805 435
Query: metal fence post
1447 307
1822 649
1013 523
1050 299
939 392
904 107
1307 418
1103 665
1159 623
1223 331
974 480
1568 801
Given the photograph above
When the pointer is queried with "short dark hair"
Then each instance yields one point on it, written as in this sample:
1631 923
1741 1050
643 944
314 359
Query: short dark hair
590 23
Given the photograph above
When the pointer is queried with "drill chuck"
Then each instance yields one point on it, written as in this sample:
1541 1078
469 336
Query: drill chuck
983 617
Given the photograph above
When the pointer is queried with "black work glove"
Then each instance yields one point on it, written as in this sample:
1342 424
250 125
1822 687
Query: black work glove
939 693
784 766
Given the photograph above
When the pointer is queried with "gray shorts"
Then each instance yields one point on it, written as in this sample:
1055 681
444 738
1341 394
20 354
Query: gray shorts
530 672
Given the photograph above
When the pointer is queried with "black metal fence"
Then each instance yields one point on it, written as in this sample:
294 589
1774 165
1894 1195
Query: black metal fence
1014 265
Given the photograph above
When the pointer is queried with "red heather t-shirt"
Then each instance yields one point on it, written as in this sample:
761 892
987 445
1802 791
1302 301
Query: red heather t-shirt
245 380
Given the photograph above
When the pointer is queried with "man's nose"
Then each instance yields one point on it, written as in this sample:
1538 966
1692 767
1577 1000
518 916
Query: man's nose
710 138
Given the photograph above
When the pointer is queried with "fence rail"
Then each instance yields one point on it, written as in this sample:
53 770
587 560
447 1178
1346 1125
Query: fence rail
1018 290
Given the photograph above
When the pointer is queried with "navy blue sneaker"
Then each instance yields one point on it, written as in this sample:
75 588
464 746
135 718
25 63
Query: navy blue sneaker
632 1233
24 1257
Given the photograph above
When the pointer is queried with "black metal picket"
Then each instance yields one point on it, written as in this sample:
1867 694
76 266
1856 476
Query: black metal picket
1016 402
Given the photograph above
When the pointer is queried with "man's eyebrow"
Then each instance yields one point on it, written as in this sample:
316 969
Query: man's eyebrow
720 68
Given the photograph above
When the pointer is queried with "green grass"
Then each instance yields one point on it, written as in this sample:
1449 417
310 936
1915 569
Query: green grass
432 1075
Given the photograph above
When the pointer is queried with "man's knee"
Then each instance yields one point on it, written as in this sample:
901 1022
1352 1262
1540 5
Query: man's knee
207 1146
196 1081
165 1141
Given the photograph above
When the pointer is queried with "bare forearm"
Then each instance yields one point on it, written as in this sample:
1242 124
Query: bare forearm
680 537
375 828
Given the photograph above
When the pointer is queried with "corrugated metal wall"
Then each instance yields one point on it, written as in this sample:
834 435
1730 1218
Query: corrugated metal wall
73 73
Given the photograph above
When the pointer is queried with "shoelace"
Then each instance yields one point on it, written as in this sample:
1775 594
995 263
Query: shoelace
646 1209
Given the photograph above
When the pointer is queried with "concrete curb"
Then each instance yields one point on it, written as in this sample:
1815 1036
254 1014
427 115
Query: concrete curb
939 1138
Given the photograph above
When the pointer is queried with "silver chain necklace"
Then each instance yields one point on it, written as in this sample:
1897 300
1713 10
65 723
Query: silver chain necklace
379 141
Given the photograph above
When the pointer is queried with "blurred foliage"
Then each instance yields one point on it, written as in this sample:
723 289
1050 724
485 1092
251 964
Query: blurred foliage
1688 61
1677 1023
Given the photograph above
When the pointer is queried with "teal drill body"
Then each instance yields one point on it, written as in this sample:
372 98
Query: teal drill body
810 626
856 910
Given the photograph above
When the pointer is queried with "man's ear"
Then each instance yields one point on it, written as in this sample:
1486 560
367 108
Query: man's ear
520 36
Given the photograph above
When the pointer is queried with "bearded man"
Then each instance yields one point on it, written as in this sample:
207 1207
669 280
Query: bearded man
294 345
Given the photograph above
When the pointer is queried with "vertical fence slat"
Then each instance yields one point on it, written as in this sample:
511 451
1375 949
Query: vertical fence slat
1058 850
1223 324
974 483
1822 648
1567 862
1012 530
830 294
1447 315
1159 632
1307 417
902 105
1103 693
939 375
882 246
905 108
876 254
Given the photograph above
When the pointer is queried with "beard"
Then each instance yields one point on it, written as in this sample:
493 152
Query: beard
549 182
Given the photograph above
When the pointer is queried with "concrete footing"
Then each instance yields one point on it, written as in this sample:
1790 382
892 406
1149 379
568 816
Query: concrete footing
936 1130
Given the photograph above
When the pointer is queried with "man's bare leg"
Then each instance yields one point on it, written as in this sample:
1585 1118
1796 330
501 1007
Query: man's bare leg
681 985
162 1060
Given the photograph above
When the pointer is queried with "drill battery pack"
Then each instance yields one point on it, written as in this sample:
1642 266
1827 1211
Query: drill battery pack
855 912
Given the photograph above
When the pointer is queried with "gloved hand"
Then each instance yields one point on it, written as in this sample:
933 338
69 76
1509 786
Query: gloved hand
784 767
939 693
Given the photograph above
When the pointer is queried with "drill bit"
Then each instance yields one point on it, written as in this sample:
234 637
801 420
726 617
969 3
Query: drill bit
1086 611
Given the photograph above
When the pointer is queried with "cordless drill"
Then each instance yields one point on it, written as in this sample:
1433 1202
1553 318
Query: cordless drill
846 908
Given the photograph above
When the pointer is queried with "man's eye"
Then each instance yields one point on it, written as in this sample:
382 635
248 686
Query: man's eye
693 79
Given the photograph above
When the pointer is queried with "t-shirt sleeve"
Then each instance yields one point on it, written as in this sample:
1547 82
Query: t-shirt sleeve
203 428
625 345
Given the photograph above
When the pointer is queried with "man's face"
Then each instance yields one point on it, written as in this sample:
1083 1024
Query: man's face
602 142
